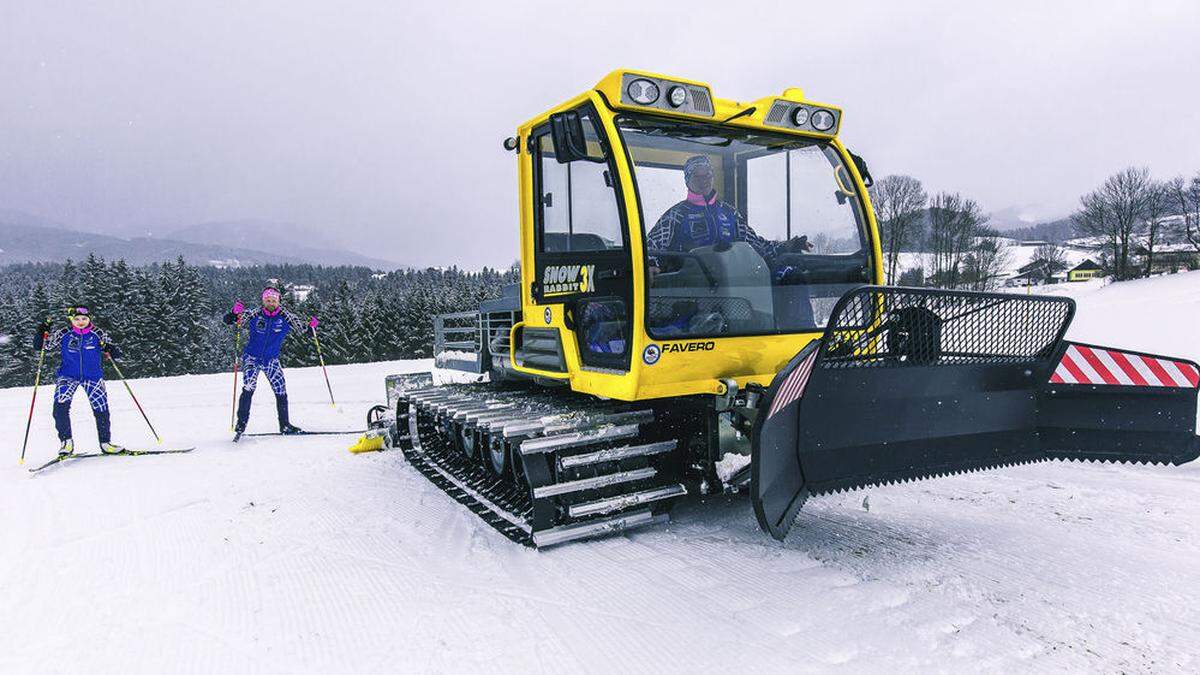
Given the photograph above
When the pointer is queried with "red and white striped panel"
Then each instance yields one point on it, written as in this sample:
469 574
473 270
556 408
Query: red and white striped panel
793 386
1095 365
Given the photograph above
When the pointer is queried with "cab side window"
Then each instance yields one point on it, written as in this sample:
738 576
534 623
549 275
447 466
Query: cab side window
576 203
582 254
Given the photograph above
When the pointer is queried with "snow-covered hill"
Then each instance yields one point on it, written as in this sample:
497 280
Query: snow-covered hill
1016 254
292 555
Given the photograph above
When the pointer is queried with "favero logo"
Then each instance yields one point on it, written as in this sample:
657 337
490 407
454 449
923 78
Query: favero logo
651 354
568 279
705 346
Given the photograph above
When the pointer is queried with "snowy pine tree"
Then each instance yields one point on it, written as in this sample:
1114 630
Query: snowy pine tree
167 318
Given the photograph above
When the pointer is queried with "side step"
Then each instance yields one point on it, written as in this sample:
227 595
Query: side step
616 454
625 501
593 483
596 528
580 438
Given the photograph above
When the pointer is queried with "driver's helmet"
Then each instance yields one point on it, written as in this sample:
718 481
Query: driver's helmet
696 162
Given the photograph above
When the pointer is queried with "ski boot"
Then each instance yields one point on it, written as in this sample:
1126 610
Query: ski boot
66 449
238 430
111 449
286 427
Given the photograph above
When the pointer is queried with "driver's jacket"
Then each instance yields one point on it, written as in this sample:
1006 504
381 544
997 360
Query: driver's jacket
693 223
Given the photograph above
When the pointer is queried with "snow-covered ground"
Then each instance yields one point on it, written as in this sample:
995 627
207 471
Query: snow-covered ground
292 555
1016 255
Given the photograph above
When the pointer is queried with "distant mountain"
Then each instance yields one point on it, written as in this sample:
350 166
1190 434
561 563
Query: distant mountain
27 238
13 217
1056 231
1021 217
286 239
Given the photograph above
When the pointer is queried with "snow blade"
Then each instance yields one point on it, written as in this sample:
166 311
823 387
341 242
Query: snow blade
1106 404
914 383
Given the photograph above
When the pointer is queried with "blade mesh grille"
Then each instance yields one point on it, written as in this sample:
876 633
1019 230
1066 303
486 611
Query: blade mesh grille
896 327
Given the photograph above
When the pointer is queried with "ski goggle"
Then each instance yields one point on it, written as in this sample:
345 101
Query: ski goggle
77 311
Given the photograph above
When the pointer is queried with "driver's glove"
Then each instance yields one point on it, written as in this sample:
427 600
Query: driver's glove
800 244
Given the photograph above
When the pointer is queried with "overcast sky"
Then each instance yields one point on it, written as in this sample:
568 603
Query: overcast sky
380 123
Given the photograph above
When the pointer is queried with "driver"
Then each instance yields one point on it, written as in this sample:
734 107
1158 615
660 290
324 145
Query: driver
703 220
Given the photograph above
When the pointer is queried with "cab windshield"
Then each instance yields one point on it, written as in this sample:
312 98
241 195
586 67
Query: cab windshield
747 233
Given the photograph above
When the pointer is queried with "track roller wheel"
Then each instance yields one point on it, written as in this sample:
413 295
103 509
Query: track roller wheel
468 442
497 456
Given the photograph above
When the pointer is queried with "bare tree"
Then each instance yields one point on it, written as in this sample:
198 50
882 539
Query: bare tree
986 261
1157 207
1052 258
1112 214
1093 220
954 222
899 203
1183 197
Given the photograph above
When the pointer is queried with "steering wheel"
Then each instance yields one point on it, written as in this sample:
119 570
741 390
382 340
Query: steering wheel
681 255
811 268
791 268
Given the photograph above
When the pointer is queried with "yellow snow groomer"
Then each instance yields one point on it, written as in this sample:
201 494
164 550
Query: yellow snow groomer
701 310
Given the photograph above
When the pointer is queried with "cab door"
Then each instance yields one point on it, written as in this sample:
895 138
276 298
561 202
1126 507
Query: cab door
581 243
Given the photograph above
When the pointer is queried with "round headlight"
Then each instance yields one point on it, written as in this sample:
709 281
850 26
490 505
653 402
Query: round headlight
676 96
822 120
642 92
800 116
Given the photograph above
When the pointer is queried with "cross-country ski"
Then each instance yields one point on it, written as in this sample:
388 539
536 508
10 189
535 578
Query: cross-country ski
123 453
303 433
238 435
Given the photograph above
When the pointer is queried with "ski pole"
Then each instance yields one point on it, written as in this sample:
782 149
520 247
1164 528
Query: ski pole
135 401
237 339
37 381
326 372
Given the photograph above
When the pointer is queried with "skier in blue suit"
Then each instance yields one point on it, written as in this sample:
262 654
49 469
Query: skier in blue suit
267 326
81 347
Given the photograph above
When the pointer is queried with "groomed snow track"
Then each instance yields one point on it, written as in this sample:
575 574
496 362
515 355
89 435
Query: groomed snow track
542 467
